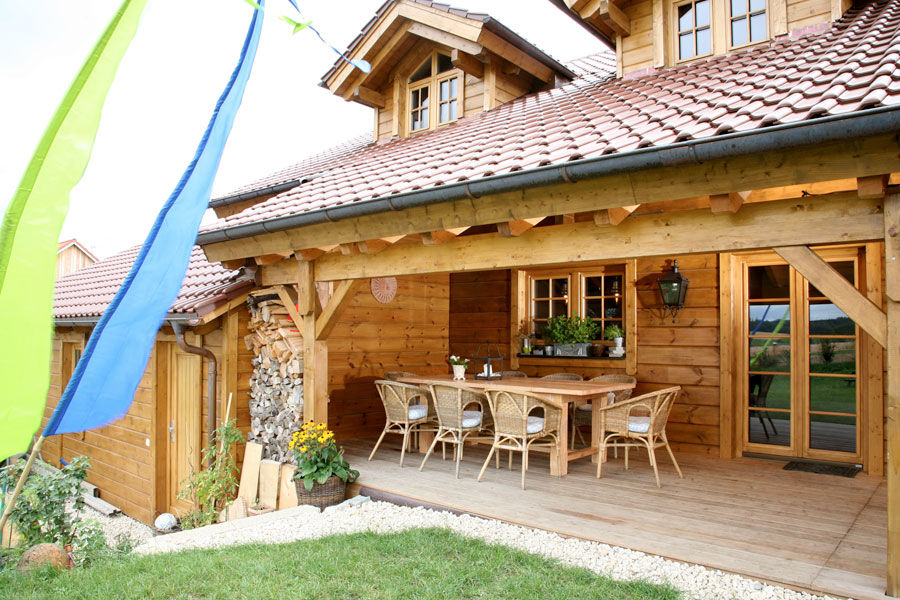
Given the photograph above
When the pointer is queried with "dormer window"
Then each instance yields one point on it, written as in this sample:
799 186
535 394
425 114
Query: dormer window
435 78
694 29
748 22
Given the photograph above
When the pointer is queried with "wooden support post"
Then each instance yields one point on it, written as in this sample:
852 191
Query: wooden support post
315 353
726 356
892 427
518 293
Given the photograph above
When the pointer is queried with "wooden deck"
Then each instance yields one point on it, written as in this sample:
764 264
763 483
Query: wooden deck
749 516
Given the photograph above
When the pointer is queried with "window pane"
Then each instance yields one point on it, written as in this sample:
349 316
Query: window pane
846 270
560 307
686 45
608 323
612 309
613 285
757 5
423 96
560 288
541 309
452 110
769 318
704 42
685 17
414 99
758 27
444 63
445 112
770 354
738 7
445 90
827 319
423 72
828 355
593 308
454 87
739 31
831 394
593 286
769 427
771 281
828 432
542 288
702 9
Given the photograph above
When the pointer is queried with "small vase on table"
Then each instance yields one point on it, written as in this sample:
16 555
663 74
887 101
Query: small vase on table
459 372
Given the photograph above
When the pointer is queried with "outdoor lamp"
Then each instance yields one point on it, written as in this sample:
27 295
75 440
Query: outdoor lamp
673 288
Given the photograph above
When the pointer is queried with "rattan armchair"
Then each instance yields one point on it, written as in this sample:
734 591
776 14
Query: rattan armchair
456 416
582 414
638 422
405 407
563 377
506 374
515 427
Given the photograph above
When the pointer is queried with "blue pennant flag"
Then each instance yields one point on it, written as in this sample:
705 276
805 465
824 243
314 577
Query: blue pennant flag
104 382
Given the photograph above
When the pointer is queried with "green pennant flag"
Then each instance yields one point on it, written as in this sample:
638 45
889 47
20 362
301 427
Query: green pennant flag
30 230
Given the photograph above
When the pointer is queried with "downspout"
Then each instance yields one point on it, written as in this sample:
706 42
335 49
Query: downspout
178 328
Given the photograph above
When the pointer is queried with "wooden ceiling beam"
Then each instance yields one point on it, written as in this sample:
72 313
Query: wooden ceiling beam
728 203
614 216
445 38
467 63
234 264
368 97
271 259
505 50
517 227
874 186
435 238
314 253
608 13
350 249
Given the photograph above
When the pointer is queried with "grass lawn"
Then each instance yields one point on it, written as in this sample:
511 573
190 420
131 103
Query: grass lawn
421 564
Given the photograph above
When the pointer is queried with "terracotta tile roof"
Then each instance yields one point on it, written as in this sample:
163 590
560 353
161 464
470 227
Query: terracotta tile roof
87 293
850 66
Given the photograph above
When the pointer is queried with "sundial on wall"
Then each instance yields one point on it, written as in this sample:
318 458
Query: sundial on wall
384 288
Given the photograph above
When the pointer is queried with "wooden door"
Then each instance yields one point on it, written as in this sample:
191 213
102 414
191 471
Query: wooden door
182 423
800 359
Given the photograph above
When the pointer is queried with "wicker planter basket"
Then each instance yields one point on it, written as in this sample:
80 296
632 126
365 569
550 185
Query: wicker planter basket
326 494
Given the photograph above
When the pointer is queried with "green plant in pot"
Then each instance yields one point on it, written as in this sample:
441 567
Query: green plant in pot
571 335
322 473
614 333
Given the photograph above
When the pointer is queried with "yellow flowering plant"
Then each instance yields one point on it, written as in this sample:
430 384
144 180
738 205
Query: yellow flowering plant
318 457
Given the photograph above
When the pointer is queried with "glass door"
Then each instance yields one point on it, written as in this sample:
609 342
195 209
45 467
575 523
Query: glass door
800 361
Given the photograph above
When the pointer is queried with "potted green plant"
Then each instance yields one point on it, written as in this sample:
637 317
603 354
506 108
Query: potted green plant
571 335
615 333
322 473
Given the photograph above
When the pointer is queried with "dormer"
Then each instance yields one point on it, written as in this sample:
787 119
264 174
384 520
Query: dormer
652 34
432 65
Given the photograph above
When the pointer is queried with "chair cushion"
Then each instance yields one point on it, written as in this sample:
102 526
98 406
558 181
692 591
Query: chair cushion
639 424
584 407
471 418
418 411
535 424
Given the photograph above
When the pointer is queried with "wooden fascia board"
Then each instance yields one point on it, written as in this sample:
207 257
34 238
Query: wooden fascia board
459 26
447 39
837 289
851 158
336 82
808 221
504 49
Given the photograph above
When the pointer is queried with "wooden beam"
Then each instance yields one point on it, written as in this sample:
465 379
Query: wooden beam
619 214
306 288
850 158
814 220
314 253
467 63
892 423
872 368
445 38
234 264
837 289
315 352
368 97
590 9
838 7
659 34
288 303
349 249
271 259
518 227
435 238
223 308
874 186
518 313
616 19
727 203
331 314
504 49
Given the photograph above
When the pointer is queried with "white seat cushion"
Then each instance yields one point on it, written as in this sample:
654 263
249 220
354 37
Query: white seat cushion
418 411
584 407
471 418
535 424
639 424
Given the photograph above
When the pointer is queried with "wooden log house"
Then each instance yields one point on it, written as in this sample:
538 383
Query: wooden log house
755 142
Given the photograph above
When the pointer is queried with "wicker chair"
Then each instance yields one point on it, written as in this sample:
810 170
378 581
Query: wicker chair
395 375
455 422
639 422
582 415
506 374
405 407
516 429
563 377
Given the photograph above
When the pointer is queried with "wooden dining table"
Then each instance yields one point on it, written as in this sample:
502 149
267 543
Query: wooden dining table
562 394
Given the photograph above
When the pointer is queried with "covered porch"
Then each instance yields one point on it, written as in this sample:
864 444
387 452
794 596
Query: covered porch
748 516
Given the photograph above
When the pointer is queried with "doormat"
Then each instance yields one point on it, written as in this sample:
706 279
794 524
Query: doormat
824 469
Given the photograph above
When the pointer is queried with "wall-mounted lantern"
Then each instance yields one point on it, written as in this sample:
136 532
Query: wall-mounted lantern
673 288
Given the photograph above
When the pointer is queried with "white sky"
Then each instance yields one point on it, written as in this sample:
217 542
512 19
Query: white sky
169 81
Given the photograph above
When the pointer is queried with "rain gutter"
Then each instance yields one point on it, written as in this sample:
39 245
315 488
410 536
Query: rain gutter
272 189
876 121
91 321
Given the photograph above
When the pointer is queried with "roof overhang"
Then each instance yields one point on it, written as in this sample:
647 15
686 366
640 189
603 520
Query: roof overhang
603 18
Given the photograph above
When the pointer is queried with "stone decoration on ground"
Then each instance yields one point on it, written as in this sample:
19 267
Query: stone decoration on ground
45 555
359 514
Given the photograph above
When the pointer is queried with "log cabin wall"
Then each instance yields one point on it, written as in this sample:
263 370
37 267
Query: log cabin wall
70 260
410 333
685 353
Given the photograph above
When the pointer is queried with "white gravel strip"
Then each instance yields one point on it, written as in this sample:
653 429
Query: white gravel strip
118 527
358 514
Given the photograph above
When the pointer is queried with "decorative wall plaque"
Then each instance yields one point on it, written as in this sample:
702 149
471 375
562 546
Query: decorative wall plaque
384 288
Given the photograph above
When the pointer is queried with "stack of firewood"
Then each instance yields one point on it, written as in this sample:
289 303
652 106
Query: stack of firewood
276 384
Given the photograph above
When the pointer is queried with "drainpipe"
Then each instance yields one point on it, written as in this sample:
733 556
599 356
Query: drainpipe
210 381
